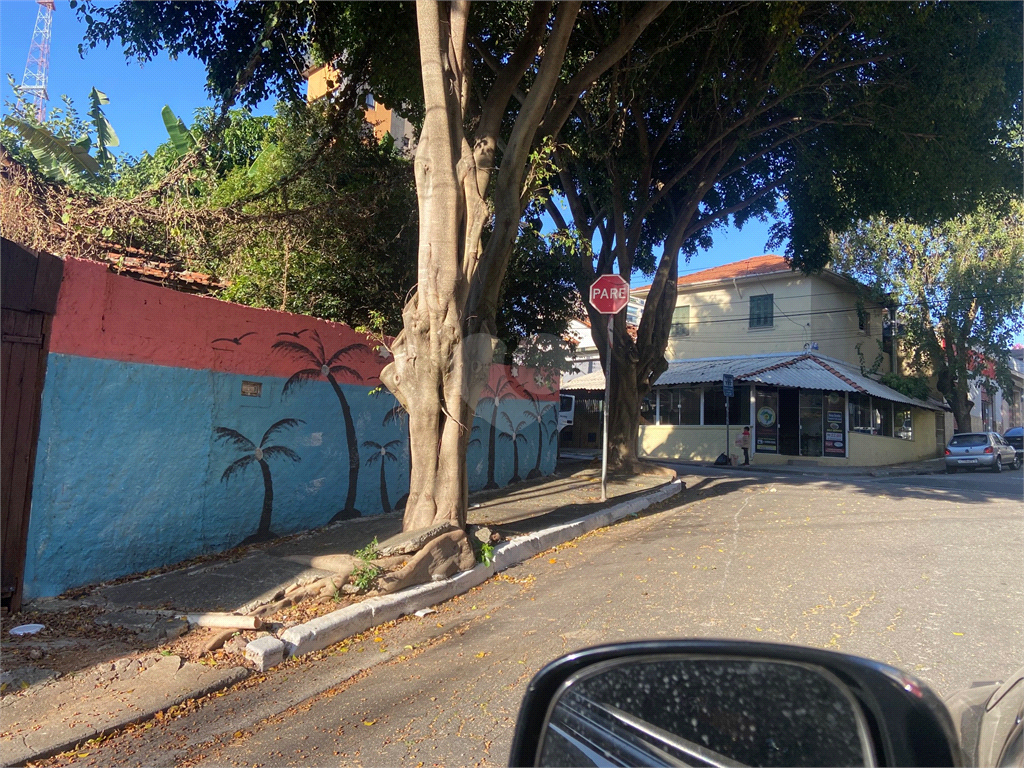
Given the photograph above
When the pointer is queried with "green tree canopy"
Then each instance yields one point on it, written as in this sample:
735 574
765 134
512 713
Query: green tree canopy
813 114
959 286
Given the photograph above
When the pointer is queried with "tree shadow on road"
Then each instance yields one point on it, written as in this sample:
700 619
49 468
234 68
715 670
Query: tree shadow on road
938 488
935 488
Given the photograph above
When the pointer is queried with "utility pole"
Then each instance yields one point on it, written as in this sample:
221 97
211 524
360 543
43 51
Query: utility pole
33 82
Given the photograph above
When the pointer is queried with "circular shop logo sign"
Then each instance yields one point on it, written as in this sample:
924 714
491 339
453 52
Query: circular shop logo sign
766 416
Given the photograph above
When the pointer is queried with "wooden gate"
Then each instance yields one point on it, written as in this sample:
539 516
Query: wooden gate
29 299
588 422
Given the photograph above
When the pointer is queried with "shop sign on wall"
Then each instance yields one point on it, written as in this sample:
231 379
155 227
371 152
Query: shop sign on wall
766 431
835 425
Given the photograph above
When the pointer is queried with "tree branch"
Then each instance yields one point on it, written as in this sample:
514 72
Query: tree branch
570 94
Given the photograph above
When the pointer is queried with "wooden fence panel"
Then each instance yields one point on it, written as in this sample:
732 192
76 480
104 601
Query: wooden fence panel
30 285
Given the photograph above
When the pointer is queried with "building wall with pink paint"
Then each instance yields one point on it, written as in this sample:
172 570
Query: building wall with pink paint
175 425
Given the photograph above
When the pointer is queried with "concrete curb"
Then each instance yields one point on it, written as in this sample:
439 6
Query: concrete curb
322 632
174 686
326 630
906 472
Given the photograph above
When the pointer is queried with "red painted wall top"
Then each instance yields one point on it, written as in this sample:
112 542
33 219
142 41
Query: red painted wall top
108 316
103 315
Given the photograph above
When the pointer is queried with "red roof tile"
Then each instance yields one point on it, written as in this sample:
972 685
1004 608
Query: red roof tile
758 265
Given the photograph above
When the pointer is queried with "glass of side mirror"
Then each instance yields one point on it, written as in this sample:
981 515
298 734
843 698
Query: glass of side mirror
704 711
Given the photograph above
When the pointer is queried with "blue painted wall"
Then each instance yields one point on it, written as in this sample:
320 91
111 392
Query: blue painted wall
129 471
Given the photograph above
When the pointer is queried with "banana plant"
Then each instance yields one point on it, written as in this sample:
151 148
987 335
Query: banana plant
61 159
181 138
105 135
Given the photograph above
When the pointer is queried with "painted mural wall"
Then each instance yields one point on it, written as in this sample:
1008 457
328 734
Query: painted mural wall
176 425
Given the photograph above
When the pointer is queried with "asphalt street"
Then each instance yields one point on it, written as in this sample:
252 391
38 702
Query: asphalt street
923 573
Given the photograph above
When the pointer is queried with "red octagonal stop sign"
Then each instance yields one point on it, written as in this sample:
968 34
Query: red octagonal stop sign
609 294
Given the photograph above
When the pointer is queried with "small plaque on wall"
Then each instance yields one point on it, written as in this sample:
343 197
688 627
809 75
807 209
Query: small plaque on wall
252 389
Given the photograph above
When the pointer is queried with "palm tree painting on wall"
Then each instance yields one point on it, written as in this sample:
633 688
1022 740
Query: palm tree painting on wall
324 366
495 396
383 454
259 454
539 411
513 434
397 415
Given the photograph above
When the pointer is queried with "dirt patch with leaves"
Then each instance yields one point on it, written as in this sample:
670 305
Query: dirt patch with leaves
70 640
76 637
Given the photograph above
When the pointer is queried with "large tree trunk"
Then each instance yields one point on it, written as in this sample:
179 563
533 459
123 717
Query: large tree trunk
952 351
957 396
443 355
436 375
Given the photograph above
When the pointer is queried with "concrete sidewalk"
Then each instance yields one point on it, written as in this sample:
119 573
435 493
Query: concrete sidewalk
48 715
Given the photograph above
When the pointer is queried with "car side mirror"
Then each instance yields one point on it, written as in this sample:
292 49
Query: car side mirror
728 703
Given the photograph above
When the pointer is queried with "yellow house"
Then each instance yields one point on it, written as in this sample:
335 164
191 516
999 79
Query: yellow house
323 79
803 353
760 305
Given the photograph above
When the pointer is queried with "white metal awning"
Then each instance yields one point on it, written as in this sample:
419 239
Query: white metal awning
788 369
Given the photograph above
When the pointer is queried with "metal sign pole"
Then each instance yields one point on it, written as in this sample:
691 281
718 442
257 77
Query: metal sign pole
729 392
728 448
609 295
607 402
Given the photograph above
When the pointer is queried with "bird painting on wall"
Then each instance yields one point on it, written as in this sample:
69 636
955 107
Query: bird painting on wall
237 341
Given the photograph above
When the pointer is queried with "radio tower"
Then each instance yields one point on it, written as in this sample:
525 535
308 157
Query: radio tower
33 84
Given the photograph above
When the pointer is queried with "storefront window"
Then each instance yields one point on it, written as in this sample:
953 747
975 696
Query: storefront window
906 425
874 416
860 413
648 411
883 408
810 422
680 405
739 405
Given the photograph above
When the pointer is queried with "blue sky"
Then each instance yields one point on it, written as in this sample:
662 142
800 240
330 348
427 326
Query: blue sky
138 92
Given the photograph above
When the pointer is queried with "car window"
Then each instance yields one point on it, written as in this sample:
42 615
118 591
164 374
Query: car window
968 440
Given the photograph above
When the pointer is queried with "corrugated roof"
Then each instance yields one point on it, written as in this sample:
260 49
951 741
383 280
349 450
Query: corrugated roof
788 369
588 381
